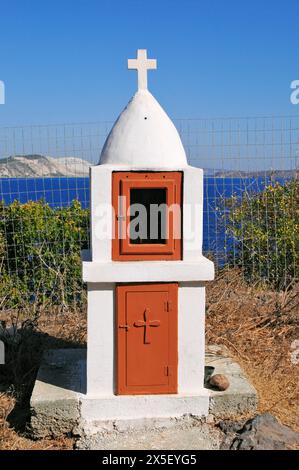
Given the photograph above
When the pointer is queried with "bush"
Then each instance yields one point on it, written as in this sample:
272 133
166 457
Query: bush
40 253
265 231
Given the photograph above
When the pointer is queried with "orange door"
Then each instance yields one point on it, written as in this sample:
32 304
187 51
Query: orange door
146 339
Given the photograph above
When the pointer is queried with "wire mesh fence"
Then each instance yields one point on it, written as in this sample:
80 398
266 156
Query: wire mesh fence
250 200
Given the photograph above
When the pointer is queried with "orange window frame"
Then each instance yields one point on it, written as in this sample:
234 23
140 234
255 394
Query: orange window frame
122 183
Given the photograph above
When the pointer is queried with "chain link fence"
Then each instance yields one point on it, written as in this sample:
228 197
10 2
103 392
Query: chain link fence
250 200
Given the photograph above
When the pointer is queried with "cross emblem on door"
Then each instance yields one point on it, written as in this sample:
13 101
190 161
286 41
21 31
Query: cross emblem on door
147 324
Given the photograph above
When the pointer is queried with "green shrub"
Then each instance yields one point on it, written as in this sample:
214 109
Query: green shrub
40 246
40 252
265 231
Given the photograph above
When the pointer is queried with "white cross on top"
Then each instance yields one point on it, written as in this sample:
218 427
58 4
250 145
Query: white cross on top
142 64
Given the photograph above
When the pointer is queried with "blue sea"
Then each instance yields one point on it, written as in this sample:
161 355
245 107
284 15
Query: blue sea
60 192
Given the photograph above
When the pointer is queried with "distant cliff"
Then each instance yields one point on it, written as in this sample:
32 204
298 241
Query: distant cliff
35 166
292 174
40 166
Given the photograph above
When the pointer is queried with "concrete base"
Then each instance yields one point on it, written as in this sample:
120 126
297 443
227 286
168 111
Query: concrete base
240 397
55 400
186 433
139 411
60 405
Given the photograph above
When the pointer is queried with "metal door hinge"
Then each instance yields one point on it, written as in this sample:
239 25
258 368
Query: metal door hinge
168 371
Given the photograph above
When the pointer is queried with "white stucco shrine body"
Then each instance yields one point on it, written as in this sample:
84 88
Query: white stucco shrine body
144 140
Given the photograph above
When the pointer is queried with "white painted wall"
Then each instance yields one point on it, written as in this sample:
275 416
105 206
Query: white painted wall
146 271
101 334
192 213
135 412
100 340
102 273
191 334
144 139
144 135
101 211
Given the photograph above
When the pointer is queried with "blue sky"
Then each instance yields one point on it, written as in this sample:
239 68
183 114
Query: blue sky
65 61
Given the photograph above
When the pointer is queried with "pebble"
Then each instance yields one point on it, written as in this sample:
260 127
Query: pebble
219 382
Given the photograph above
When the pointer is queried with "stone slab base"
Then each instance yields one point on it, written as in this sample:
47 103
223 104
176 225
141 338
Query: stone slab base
55 400
59 404
240 397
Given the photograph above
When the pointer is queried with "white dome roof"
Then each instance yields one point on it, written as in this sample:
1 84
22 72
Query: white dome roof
144 136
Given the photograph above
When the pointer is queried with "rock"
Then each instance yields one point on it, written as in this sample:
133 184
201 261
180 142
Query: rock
209 370
229 426
240 398
210 419
219 382
263 432
25 166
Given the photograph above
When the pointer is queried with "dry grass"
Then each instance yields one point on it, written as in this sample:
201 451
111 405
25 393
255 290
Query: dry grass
58 328
258 326
11 440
